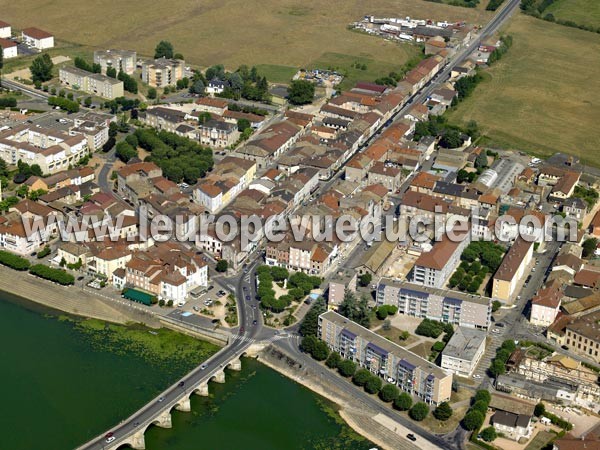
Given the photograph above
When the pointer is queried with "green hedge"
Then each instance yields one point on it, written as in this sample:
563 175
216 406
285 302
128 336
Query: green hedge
13 261
48 273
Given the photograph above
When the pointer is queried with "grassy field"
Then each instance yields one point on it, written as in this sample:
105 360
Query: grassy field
585 12
544 95
289 33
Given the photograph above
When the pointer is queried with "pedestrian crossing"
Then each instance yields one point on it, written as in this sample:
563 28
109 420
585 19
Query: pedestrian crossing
278 337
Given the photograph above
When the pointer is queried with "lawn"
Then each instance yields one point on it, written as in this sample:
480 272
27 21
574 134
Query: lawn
544 95
289 33
276 73
540 440
584 12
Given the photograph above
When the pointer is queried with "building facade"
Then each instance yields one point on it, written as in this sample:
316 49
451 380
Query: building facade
446 306
120 60
463 351
92 83
395 364
162 72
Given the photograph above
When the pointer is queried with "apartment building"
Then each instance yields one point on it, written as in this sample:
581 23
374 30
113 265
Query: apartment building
120 60
457 308
463 351
36 38
51 149
433 268
94 126
411 373
168 270
387 175
270 143
545 306
217 133
162 72
511 270
5 30
582 336
92 83
135 174
9 48
162 118
343 279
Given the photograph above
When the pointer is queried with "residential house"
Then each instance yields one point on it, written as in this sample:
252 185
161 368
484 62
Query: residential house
217 133
36 38
9 48
5 30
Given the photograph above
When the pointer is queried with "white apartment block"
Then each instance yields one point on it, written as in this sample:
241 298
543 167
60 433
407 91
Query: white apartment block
463 351
120 60
36 38
92 83
9 48
446 306
5 30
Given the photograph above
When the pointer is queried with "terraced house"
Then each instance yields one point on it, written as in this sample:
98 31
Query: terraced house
399 366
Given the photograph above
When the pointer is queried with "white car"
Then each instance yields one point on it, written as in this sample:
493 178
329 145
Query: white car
180 304
476 376
110 439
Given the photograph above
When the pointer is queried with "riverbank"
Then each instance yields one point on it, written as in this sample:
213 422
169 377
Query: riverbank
356 414
69 299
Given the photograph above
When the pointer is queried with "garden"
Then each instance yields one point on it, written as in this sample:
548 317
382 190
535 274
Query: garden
478 261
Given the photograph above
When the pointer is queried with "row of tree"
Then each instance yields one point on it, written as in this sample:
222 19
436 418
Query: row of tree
40 270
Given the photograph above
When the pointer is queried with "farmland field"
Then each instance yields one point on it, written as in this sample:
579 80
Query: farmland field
289 33
543 96
582 12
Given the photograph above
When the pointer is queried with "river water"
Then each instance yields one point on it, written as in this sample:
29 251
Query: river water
63 384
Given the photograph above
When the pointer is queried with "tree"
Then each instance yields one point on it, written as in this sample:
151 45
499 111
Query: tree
197 87
151 93
310 326
346 368
481 406
361 377
489 434
443 411
41 68
481 161
333 360
419 411
88 101
164 49
483 395
373 384
496 305
356 310
403 402
320 351
473 420
539 410
243 124
365 279
451 139
222 266
308 344
301 92
125 152
589 247
389 393
111 72
498 367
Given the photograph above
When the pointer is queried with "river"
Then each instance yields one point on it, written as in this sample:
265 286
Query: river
67 380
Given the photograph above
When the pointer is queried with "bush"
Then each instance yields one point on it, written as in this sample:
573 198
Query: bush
443 411
539 410
389 393
373 385
489 434
63 103
13 261
419 411
438 346
361 377
346 368
8 102
48 273
320 351
403 402
430 328
44 252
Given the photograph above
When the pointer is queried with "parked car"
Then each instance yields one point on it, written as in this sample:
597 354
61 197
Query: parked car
181 383
411 436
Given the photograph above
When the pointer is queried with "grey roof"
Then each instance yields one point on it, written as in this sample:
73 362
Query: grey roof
445 188
509 419
464 343
423 291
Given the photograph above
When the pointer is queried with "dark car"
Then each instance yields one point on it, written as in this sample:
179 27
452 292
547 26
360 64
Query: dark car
500 324
248 298
211 287
181 383
254 322
564 347
411 436
245 288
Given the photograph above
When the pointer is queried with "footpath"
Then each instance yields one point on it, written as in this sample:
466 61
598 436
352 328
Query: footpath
70 299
